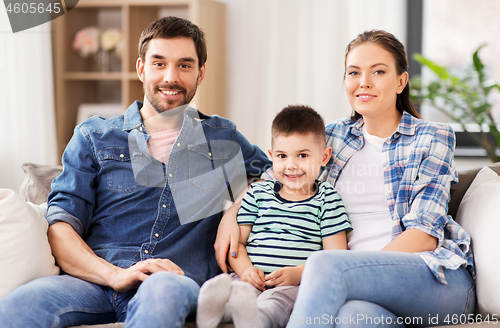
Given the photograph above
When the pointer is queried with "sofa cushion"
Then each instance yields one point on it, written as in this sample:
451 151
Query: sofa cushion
24 249
478 214
464 180
36 185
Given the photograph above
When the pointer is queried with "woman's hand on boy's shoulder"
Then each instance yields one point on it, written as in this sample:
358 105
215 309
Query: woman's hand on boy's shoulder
287 276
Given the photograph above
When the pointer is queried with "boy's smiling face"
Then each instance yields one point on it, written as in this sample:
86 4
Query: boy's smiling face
297 161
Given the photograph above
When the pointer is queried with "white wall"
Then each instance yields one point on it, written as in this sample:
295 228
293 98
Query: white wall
283 52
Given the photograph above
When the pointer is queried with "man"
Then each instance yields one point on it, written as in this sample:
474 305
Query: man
134 214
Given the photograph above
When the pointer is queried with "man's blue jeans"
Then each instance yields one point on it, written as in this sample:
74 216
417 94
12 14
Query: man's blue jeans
163 300
378 289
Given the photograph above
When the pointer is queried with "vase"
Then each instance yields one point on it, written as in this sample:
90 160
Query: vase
103 61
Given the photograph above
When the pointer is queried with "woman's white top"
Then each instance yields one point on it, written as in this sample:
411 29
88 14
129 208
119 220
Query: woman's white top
361 187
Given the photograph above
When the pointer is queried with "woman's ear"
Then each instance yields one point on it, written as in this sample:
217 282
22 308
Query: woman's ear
403 81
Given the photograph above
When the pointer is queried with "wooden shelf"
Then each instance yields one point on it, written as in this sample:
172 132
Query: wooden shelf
132 76
93 76
77 81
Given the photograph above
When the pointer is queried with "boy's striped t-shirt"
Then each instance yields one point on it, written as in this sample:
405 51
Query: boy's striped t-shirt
285 233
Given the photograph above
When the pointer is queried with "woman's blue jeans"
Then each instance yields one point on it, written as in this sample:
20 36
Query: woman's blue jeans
163 300
377 289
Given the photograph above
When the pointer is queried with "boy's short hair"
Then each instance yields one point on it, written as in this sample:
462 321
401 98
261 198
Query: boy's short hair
299 119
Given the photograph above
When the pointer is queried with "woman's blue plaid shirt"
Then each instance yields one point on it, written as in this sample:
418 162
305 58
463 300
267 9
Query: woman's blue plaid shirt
418 172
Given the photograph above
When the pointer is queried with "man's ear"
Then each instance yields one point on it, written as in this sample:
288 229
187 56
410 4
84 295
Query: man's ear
139 66
201 74
327 153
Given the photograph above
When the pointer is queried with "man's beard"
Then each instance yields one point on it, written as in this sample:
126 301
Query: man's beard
159 103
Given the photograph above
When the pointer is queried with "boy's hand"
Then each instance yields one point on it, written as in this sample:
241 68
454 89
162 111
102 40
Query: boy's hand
255 276
287 276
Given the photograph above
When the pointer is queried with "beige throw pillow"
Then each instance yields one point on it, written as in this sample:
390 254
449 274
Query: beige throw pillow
479 215
36 185
24 249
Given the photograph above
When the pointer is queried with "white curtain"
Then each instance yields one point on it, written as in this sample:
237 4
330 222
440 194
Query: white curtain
27 117
283 52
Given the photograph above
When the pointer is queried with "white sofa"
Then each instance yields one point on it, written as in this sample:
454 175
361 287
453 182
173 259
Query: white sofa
473 204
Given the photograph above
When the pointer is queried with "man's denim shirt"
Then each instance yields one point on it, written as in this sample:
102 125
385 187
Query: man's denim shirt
128 207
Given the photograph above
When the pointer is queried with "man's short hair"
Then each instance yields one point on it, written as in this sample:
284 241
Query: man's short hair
174 27
301 120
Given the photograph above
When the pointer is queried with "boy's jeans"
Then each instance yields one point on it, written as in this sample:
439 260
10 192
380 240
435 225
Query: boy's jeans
163 300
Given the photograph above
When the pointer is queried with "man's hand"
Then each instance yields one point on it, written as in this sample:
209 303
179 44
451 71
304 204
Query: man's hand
287 276
228 235
125 279
255 276
76 258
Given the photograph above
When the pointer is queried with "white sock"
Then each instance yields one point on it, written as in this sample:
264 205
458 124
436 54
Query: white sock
243 305
214 295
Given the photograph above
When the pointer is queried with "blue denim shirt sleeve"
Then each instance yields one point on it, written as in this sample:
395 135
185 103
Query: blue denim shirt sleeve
75 196
256 161
56 214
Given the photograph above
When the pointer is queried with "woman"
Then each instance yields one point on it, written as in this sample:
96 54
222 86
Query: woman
409 263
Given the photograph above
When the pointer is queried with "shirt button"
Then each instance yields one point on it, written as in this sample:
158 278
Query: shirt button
121 155
170 174
210 154
140 128
164 206
178 144
157 235
146 251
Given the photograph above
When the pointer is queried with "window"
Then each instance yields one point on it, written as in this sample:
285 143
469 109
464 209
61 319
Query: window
452 30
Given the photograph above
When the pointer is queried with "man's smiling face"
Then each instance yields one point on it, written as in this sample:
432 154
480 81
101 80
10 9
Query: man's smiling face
170 73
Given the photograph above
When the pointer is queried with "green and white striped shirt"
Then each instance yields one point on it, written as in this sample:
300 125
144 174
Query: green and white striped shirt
285 233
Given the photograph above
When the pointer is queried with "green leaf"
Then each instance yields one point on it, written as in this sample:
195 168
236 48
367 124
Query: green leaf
416 83
440 71
478 65
488 86
455 81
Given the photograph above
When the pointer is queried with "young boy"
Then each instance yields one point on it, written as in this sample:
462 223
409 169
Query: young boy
281 222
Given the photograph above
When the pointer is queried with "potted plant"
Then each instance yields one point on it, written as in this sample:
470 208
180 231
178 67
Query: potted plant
465 98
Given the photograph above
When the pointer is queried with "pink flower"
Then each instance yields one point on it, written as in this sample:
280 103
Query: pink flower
87 41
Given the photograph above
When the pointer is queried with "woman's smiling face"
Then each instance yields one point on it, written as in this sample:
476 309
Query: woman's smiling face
372 82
